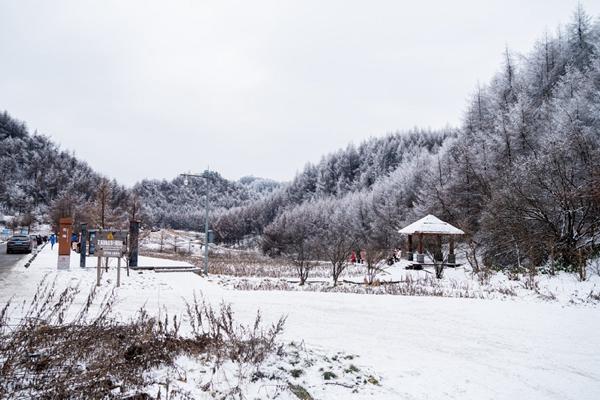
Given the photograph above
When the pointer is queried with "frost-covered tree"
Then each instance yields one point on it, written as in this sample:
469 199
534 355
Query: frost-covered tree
293 235
35 174
515 179
335 234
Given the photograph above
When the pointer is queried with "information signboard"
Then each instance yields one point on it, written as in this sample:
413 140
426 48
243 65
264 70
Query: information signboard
110 244
109 248
64 236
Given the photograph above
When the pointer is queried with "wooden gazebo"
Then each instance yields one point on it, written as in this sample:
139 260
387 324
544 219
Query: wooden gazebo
435 227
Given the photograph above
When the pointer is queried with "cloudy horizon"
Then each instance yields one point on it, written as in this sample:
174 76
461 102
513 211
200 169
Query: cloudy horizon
145 90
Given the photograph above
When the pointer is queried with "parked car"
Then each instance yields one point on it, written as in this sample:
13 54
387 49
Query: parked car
38 239
19 243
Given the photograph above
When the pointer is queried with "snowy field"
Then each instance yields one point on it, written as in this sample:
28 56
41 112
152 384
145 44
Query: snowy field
416 347
564 288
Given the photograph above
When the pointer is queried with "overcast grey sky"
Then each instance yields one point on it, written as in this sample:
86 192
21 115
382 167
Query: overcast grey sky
150 89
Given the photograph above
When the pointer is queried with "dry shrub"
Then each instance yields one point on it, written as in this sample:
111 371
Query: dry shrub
483 274
229 340
47 355
252 264
594 296
408 286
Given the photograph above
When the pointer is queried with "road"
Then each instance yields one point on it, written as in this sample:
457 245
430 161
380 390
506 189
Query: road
8 261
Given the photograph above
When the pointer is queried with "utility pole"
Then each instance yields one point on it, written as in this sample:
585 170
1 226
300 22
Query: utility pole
206 226
205 175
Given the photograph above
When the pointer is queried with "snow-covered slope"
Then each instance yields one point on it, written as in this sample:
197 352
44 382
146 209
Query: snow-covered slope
421 347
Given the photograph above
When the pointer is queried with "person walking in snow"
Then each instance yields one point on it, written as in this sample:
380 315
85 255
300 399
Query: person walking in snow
52 241
74 241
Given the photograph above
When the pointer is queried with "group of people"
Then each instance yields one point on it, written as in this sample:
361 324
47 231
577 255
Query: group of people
74 240
75 245
357 257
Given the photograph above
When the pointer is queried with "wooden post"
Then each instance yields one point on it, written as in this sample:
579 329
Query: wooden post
438 248
119 272
451 256
98 271
420 255
552 269
409 253
133 242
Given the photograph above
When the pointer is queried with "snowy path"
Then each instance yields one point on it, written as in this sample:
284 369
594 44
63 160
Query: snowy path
423 347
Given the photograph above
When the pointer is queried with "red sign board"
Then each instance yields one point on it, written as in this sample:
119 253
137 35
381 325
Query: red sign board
65 230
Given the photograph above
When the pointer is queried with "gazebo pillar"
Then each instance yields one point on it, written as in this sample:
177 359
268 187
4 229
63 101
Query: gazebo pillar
438 248
409 251
451 256
421 255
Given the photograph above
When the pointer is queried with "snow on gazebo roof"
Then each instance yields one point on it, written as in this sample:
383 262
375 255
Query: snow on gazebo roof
431 224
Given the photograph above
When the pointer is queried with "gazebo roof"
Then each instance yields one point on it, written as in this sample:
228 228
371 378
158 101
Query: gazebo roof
432 225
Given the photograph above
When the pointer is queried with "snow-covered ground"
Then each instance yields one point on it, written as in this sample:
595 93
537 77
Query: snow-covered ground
418 347
171 241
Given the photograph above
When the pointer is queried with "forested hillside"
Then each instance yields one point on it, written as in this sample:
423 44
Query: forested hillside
377 166
521 176
35 173
37 178
173 204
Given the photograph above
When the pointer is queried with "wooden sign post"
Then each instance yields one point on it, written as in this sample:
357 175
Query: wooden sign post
119 272
98 271
108 245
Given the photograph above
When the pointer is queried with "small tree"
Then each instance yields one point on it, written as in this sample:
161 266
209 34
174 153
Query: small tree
162 240
64 206
438 263
375 262
175 244
336 238
27 219
103 198
370 235
292 236
434 251
135 207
